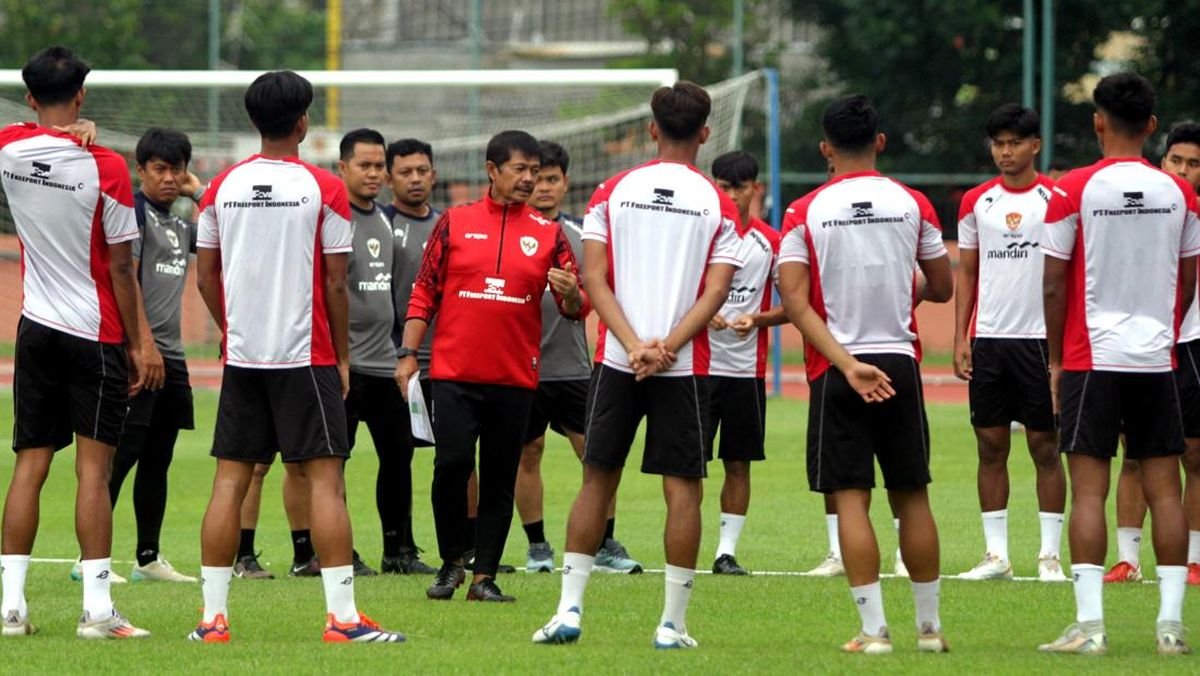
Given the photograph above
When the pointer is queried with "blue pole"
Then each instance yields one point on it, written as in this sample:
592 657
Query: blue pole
776 192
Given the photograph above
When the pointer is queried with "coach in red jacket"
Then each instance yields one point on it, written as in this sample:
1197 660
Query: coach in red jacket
485 268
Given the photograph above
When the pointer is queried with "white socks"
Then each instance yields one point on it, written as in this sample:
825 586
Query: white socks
678 593
995 533
869 601
1193 546
831 526
925 598
576 569
97 600
339 593
731 530
214 585
1129 545
14 566
1171 582
1052 525
1089 592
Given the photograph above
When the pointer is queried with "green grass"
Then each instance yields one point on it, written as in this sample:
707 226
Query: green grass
795 357
760 624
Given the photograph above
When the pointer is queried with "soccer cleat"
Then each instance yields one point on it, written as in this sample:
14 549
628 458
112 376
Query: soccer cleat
930 640
407 563
247 567
310 568
216 631
562 628
1170 639
901 569
666 637
486 590
159 569
992 567
501 568
15 625
612 558
115 626
726 564
832 566
1050 569
361 569
448 578
1193 577
1124 571
365 630
1082 638
866 644
540 558
113 577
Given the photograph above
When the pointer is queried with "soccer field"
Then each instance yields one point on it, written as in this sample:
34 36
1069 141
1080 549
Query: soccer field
761 624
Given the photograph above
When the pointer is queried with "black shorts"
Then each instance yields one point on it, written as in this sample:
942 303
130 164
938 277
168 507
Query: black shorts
676 412
560 405
1010 380
377 401
171 406
1187 378
738 406
297 411
65 385
846 434
1099 406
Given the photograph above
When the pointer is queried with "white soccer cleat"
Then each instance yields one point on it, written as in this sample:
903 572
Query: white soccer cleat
1050 569
832 566
866 644
991 567
1170 639
1083 638
562 628
930 640
16 625
115 626
666 637
160 569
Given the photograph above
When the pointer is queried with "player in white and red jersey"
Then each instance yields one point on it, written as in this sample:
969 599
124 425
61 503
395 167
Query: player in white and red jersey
1000 338
737 337
1182 158
1120 268
73 209
273 236
849 253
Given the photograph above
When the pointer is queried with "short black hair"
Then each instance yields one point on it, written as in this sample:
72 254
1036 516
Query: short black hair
276 101
850 123
405 147
1014 118
169 145
1128 101
353 138
54 75
735 167
554 155
1183 132
502 146
681 110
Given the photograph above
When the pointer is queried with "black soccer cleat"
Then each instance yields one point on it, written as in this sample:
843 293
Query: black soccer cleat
727 565
448 578
407 563
486 590
310 568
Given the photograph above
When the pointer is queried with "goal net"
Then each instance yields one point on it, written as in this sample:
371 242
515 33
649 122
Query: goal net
600 116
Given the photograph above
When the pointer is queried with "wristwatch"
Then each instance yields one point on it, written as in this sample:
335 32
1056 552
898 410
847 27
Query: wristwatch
402 352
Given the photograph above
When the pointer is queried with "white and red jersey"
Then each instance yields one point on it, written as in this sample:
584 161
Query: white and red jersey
861 235
664 223
69 204
274 220
750 292
1123 225
1006 225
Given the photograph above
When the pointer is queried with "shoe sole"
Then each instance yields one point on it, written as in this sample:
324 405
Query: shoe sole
563 636
23 630
636 570
932 645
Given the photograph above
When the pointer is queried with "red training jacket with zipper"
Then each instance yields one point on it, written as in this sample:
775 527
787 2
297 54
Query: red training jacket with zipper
483 274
